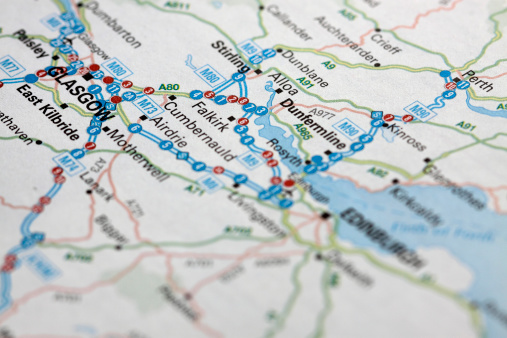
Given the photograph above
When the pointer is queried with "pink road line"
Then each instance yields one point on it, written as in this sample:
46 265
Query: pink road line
90 219
247 253
295 213
83 238
77 11
320 106
305 223
255 76
418 17
329 227
416 22
361 42
8 205
212 255
123 205
193 303
492 77
165 100
411 183
47 336
92 287
279 254
316 232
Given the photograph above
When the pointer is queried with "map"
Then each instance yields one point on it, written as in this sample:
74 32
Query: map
253 168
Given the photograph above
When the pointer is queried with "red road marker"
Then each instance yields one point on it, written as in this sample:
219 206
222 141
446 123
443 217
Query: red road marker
37 209
94 67
407 118
59 70
450 85
73 57
209 94
218 170
267 154
90 145
11 258
1 84
44 200
148 90
272 163
108 79
115 99
389 117
275 180
83 70
243 121
288 183
59 179
127 84
232 99
243 100
7 268
57 171
41 73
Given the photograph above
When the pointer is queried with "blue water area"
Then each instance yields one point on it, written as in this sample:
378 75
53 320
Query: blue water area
477 239
484 111
387 135
269 132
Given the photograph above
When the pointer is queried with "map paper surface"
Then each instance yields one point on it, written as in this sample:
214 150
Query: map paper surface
253 168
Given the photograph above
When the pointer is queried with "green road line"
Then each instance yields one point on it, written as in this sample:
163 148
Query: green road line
400 171
366 17
294 133
492 66
407 175
35 37
474 96
153 165
495 147
280 320
439 289
261 23
56 99
474 313
7 138
460 300
82 11
302 200
483 141
450 152
60 6
158 8
297 84
53 148
141 245
450 127
396 36
297 237
321 318
217 28
498 36
285 215
444 58
122 114
160 92
357 65
44 144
